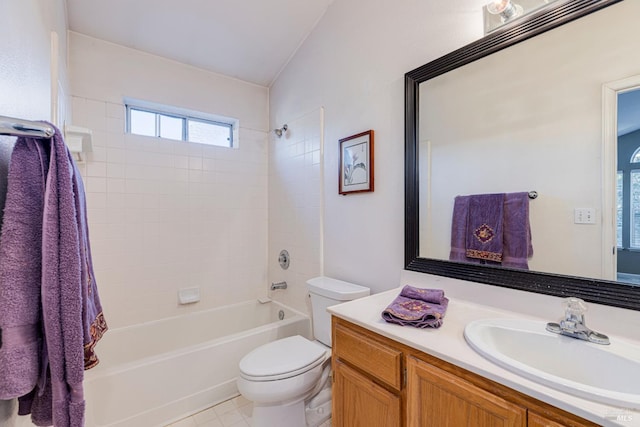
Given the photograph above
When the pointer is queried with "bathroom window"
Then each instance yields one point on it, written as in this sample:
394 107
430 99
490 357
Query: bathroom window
147 119
619 207
635 209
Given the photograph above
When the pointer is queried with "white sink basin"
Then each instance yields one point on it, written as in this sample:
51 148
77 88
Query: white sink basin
604 373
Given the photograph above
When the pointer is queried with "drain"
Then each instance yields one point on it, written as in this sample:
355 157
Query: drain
281 315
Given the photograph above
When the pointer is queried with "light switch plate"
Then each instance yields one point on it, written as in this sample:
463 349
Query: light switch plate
584 216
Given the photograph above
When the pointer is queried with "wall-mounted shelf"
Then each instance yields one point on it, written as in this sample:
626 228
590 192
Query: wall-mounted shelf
78 139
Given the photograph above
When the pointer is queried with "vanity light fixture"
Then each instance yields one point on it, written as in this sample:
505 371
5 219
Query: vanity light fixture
500 12
505 8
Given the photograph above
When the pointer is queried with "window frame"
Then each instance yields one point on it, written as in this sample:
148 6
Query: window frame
185 116
632 222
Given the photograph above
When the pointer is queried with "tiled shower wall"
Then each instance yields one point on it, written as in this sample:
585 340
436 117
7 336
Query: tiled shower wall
295 206
163 214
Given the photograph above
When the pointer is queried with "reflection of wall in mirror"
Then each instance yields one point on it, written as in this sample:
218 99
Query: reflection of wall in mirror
530 118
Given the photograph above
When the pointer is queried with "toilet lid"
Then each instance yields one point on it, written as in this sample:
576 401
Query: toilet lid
282 358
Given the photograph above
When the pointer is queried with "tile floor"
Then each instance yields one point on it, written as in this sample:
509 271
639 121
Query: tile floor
235 412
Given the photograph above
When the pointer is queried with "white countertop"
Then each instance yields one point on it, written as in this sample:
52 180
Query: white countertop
448 343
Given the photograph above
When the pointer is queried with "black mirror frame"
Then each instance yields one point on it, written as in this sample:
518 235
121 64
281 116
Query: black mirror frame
592 290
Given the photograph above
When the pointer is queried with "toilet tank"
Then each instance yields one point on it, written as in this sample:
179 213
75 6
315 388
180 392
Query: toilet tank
325 292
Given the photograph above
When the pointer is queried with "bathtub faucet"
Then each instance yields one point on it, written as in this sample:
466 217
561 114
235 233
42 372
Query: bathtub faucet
279 285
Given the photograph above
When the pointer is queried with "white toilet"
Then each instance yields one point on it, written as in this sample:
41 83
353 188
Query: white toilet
287 379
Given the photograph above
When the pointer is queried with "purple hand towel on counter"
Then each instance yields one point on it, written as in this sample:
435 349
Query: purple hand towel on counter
435 296
423 308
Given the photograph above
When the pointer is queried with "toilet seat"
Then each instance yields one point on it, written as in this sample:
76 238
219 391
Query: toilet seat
281 359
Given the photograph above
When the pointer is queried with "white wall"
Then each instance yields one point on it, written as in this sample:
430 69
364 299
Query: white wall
164 214
295 206
25 56
353 65
25 81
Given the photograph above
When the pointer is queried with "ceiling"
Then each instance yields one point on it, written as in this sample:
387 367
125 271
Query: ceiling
251 40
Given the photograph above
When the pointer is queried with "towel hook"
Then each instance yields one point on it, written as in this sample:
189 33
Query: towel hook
533 194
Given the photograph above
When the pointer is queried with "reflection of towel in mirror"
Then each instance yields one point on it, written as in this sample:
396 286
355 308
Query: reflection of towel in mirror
459 230
517 231
422 311
484 227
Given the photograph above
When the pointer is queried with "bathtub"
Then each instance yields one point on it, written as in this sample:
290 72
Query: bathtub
158 372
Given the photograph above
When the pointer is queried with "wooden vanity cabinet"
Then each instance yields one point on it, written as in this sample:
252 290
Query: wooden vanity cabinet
535 420
360 402
367 388
379 382
438 398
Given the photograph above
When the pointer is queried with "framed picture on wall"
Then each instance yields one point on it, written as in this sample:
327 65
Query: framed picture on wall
356 163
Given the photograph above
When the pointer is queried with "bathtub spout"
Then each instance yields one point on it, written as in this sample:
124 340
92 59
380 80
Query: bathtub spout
279 285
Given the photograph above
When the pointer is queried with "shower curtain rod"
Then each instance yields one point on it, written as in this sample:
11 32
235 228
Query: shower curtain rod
19 127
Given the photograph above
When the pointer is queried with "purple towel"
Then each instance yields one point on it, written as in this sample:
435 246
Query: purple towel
417 312
20 269
94 323
71 311
459 231
435 296
484 227
517 231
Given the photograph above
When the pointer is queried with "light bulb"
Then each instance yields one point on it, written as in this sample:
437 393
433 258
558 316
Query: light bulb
497 7
505 9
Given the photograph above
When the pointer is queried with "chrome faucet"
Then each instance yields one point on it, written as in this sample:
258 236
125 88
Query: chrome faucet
573 324
279 285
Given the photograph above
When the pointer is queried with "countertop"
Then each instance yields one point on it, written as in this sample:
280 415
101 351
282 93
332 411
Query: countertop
448 343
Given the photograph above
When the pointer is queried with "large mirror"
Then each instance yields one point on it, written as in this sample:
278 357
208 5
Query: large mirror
517 111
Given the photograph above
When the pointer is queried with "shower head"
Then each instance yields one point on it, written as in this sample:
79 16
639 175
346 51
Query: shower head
281 131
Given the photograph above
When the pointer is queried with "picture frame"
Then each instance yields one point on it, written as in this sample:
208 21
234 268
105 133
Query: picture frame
355 169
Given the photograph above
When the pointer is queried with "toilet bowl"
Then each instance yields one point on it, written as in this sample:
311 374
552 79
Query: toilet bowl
279 376
288 379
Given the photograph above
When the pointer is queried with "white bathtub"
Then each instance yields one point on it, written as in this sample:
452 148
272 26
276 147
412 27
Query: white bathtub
158 372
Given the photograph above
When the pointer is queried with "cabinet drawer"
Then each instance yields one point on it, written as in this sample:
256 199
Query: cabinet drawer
374 357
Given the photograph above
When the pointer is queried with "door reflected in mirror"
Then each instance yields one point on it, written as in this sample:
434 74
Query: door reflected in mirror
628 187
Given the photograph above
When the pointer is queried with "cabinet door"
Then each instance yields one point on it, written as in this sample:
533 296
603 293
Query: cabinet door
536 420
436 398
359 402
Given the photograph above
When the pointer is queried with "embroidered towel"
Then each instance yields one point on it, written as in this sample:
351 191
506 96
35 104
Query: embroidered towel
485 227
417 312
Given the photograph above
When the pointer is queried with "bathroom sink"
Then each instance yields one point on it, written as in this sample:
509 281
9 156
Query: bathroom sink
604 373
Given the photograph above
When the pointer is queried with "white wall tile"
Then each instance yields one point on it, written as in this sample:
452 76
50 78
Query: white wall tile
295 208
116 111
166 214
98 169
